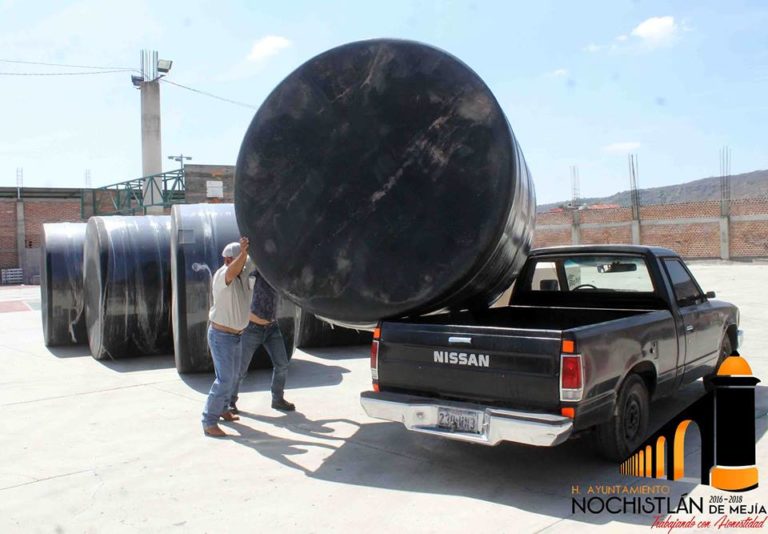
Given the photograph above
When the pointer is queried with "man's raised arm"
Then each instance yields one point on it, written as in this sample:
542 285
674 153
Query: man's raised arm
236 267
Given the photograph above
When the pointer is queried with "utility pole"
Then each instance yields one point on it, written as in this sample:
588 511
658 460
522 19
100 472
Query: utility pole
148 83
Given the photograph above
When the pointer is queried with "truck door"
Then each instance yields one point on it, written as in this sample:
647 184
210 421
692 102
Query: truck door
699 346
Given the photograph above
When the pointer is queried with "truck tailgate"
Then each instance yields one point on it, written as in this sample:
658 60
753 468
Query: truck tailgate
505 366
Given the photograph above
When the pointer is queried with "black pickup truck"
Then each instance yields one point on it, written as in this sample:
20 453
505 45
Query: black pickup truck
591 334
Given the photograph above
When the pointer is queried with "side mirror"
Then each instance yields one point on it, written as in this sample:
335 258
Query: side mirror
710 294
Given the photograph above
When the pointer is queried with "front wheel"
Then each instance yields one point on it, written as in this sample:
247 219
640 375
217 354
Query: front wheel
624 432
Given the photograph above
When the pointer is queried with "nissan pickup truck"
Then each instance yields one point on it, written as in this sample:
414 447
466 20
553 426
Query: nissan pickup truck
591 335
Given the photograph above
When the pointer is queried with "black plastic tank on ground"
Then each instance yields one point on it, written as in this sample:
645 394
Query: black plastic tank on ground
382 179
61 283
127 286
312 332
199 232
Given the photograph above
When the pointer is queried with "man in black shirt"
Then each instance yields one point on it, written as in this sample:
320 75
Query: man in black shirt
263 330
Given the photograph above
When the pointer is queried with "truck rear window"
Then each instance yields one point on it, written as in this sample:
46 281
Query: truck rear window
591 273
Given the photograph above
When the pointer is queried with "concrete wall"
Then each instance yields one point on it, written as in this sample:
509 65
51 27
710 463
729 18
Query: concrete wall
694 230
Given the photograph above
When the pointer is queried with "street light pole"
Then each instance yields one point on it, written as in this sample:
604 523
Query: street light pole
148 83
180 158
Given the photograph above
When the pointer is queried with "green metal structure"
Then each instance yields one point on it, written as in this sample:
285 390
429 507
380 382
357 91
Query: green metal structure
127 198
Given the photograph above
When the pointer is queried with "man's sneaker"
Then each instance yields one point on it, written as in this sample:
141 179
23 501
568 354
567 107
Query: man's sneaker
233 408
283 405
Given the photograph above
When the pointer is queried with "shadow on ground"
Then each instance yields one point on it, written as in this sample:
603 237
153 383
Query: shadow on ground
141 363
302 374
534 479
340 353
74 351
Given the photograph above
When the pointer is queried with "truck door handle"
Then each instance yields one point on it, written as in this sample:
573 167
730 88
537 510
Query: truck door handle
689 328
457 339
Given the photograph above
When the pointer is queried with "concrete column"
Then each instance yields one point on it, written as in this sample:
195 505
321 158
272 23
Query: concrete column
151 145
725 242
151 149
635 232
21 235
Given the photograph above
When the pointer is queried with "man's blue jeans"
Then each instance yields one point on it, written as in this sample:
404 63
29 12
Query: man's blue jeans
225 351
272 339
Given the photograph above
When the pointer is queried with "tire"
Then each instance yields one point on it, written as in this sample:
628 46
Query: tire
726 349
619 436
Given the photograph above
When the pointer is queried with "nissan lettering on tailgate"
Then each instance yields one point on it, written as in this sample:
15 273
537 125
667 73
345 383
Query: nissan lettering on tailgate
462 358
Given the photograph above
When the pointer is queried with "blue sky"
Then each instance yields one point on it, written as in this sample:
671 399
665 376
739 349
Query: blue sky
582 83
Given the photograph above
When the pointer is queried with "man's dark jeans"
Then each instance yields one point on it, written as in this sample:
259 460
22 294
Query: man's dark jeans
272 339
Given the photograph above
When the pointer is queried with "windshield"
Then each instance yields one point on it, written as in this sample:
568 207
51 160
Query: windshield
605 272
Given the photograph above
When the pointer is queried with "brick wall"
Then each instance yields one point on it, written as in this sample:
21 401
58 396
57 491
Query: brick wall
698 240
550 238
689 210
8 257
749 206
40 211
749 239
612 215
558 217
606 235
693 229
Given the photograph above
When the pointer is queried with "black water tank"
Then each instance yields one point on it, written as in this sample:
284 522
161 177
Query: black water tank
127 286
382 179
61 283
199 233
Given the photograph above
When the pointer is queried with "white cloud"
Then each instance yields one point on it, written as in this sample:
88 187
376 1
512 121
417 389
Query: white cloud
650 33
622 147
267 46
656 30
559 73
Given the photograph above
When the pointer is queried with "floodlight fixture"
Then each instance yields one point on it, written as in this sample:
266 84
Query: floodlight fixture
164 65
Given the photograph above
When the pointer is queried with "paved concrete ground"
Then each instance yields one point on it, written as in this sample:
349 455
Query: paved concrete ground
117 447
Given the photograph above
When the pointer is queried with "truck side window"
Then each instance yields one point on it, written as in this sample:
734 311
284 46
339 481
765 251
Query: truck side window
683 285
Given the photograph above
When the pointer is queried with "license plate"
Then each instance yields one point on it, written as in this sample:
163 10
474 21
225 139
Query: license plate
459 420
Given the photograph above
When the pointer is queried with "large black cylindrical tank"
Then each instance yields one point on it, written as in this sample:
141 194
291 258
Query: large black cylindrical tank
61 283
127 286
382 179
199 232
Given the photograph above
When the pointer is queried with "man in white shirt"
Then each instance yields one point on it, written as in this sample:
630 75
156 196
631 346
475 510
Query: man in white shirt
228 318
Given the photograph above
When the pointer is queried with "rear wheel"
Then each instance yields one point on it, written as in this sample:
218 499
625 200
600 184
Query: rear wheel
626 429
726 349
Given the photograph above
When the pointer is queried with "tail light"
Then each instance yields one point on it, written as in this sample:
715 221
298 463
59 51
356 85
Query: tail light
571 373
375 358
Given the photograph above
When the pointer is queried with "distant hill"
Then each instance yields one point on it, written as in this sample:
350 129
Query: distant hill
747 185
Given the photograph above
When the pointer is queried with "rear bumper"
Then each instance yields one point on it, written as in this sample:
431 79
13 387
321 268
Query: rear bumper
420 415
